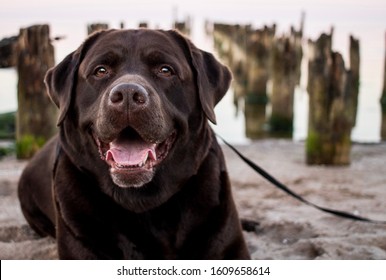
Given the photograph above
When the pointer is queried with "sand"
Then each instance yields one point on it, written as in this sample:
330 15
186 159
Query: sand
287 228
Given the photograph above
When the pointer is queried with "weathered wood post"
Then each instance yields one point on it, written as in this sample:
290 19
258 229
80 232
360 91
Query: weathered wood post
286 56
383 101
8 58
284 79
247 53
8 51
36 115
183 26
233 54
330 110
297 41
258 45
94 27
354 68
228 42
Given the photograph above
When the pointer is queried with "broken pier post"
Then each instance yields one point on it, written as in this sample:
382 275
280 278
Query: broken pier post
286 58
36 115
383 101
258 52
95 27
8 51
331 94
354 69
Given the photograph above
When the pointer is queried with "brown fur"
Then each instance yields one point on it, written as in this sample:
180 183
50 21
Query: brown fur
183 207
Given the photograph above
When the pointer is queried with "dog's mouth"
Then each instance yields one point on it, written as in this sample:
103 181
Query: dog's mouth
130 156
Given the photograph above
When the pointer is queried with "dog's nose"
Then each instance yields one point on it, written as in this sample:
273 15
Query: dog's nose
129 94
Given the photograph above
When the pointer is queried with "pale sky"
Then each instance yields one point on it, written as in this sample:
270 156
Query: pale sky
357 17
319 12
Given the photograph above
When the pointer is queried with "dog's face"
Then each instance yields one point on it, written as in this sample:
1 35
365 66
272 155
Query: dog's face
134 104
136 101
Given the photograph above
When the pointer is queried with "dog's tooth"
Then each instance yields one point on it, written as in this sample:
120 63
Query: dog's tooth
145 159
139 165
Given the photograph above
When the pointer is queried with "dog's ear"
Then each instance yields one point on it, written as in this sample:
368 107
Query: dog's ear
61 80
213 78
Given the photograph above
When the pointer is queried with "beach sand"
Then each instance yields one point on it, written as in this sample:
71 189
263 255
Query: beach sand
287 228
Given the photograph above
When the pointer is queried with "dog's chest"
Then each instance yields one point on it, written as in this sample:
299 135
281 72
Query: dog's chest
149 239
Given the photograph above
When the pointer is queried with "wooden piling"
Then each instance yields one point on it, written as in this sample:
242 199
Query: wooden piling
354 68
8 50
297 41
259 45
183 26
383 100
94 27
247 52
36 115
285 75
228 44
330 105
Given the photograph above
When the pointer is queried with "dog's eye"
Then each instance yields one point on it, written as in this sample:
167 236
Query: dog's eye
166 71
100 72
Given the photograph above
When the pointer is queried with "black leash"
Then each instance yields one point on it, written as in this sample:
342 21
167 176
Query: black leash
284 188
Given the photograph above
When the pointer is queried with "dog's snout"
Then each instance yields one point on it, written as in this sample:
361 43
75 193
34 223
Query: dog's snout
128 94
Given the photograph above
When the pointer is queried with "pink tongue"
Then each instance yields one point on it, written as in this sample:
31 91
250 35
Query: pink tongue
130 151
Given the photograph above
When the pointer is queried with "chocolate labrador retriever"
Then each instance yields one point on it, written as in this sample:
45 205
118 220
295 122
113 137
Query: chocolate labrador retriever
136 171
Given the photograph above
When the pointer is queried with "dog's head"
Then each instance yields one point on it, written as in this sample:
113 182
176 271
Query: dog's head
134 106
